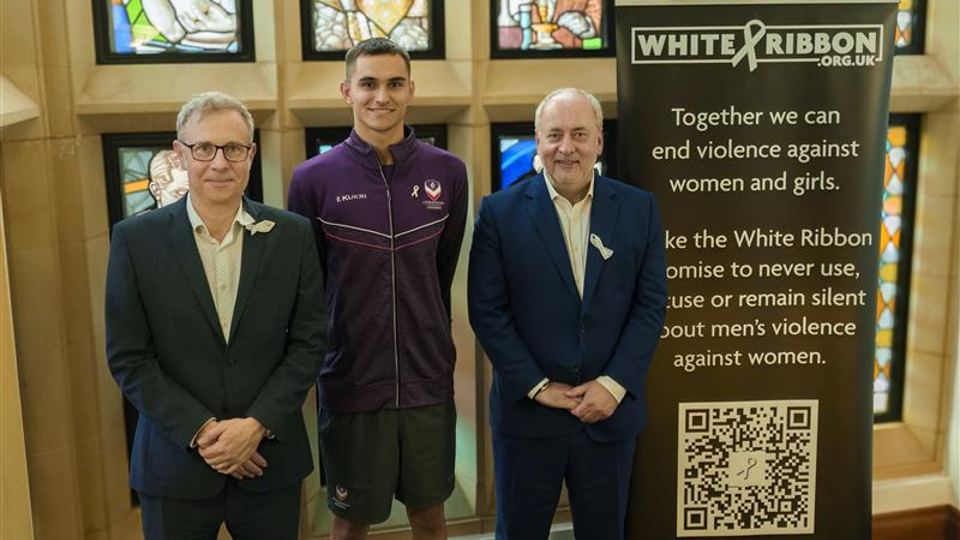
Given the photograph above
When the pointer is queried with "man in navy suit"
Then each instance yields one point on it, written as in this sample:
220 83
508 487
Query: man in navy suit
215 320
567 292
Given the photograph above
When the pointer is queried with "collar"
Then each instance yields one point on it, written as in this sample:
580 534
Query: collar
402 151
553 193
196 223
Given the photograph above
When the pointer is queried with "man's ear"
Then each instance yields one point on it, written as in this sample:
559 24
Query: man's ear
345 92
178 150
413 88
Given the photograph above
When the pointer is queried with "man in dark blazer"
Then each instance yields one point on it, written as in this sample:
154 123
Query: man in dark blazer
215 321
567 292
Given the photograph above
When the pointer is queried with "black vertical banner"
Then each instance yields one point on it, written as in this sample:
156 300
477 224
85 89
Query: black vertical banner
761 129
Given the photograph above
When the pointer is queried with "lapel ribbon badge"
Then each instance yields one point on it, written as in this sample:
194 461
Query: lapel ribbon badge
605 252
264 226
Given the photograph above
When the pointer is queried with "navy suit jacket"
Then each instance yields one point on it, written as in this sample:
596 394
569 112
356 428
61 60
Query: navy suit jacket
167 352
529 317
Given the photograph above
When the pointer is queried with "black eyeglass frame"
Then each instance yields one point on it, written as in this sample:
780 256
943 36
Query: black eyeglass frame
220 148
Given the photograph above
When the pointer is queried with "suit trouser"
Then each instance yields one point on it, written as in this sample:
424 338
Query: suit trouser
249 516
529 475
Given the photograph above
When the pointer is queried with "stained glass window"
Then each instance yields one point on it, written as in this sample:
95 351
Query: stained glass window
548 28
321 140
143 173
899 186
908 35
514 153
137 31
330 27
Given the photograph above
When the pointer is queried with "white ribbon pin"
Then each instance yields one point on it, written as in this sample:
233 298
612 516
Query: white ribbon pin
605 252
416 192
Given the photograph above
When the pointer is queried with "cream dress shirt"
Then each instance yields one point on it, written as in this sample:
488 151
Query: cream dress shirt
221 262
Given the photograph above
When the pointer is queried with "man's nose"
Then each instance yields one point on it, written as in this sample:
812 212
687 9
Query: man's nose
220 160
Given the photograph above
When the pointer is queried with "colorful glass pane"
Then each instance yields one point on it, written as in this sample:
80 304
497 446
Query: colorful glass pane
891 223
906 23
143 27
149 176
338 25
516 159
548 25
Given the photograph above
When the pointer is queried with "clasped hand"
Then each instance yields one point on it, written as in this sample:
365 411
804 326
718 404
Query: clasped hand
230 447
590 402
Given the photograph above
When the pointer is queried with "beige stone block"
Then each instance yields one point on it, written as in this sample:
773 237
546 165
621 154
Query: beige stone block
17 34
90 480
54 47
91 177
924 384
127 527
43 375
28 201
928 314
54 494
116 475
933 235
58 99
66 191
938 164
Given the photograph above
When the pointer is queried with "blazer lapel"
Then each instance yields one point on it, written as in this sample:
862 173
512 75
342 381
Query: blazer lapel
185 246
249 265
603 220
544 216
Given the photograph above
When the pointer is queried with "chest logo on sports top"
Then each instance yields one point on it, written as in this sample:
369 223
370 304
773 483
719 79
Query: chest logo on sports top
351 197
433 188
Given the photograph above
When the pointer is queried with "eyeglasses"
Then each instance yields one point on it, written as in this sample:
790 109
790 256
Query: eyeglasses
207 151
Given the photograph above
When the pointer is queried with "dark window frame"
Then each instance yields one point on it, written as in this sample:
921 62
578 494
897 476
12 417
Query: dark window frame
438 51
901 315
104 54
610 50
916 45
523 129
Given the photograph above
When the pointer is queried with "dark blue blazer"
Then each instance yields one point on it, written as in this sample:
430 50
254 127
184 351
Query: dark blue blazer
530 320
167 352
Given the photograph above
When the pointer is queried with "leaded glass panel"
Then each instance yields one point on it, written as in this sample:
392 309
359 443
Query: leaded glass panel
908 33
539 28
896 216
131 31
332 27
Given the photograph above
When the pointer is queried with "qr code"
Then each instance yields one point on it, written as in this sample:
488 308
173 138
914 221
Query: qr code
746 468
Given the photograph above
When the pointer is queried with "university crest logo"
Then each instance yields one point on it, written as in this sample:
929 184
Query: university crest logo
432 188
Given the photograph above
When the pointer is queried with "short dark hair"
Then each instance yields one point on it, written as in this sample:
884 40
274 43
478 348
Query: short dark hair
375 47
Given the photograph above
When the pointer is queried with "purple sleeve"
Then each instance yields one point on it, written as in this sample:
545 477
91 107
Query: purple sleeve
448 250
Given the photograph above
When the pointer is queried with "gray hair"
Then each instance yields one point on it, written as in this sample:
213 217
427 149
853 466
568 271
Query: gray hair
594 102
207 102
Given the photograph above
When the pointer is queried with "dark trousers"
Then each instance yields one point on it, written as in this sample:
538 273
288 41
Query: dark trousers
249 516
529 476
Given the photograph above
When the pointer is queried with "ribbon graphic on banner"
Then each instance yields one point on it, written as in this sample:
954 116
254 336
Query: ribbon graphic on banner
750 41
